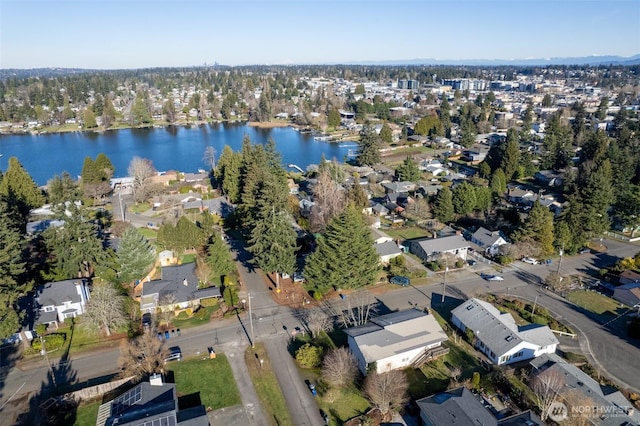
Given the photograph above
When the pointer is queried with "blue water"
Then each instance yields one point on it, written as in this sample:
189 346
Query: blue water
175 148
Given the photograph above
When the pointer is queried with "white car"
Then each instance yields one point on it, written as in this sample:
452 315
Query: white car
530 261
492 277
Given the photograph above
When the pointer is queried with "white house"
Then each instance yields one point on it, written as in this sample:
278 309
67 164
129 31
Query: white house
57 301
429 249
490 241
386 248
396 340
499 337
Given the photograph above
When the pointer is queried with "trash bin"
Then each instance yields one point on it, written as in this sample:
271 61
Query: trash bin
212 353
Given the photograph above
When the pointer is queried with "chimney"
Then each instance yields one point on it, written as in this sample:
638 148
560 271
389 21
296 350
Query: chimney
185 282
155 380
435 235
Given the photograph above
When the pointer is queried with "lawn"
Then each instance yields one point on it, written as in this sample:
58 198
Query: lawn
149 234
87 414
139 207
211 379
266 384
196 319
594 302
343 404
188 258
407 233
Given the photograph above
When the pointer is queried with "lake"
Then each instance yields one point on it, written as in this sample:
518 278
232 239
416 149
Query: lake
169 148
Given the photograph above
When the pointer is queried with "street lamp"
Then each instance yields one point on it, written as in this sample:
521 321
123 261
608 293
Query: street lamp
444 283
253 340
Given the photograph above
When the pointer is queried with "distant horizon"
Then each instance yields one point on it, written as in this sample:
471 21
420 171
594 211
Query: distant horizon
137 34
383 62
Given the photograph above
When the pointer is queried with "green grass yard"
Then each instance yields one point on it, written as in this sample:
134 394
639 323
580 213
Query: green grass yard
407 233
594 302
87 414
212 379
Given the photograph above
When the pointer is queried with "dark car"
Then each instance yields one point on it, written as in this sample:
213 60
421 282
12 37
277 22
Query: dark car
175 354
146 320
472 262
400 280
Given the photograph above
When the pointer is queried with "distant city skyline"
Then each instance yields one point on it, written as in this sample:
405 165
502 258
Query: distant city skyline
168 33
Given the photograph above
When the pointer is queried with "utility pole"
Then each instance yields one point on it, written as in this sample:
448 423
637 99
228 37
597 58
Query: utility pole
558 278
120 200
46 357
533 311
253 344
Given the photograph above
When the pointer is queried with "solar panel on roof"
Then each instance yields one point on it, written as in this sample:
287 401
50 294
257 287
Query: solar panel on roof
126 400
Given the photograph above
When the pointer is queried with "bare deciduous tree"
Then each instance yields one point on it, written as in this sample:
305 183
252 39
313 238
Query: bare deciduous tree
209 157
419 209
546 386
203 270
317 321
105 308
141 169
339 368
329 200
142 356
360 307
455 375
387 391
166 307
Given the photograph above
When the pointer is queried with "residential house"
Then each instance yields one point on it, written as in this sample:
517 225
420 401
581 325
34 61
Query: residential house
165 178
396 341
629 277
176 290
379 210
629 294
399 187
476 154
499 337
489 241
294 188
608 407
429 249
517 195
461 407
150 403
57 301
549 178
195 177
386 248
428 189
219 206
39 226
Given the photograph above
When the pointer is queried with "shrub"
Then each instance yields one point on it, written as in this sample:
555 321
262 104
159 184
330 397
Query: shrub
475 380
503 260
209 302
459 263
182 315
309 356
51 341
317 295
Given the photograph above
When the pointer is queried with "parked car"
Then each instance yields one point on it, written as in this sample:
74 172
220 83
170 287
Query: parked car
146 320
585 250
489 277
175 354
472 262
400 280
298 277
530 260
312 388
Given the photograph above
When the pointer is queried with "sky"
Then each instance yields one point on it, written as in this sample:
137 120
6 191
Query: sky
166 33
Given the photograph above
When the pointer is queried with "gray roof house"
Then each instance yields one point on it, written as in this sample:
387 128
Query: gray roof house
461 407
629 294
429 249
219 205
608 406
490 241
177 289
150 403
499 337
396 340
405 187
57 301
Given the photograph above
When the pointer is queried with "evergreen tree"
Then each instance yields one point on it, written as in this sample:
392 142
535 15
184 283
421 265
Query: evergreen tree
468 137
333 120
19 188
408 170
109 113
12 268
443 206
511 156
219 257
273 242
369 151
75 250
89 119
228 173
135 255
140 112
538 229
345 256
62 188
356 193
385 134
464 199
484 198
104 167
601 113
498 183
445 114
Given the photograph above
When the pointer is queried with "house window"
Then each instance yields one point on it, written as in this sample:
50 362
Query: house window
48 308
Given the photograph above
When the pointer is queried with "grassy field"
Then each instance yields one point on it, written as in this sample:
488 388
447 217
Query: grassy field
149 234
406 233
210 379
594 302
266 385
140 207
188 258
195 320
87 414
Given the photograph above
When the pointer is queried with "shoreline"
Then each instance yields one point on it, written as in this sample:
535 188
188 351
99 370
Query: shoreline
161 125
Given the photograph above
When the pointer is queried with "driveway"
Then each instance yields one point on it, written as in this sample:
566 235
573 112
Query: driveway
300 402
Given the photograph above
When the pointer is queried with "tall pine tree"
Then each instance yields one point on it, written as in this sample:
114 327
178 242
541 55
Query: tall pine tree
135 255
345 256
